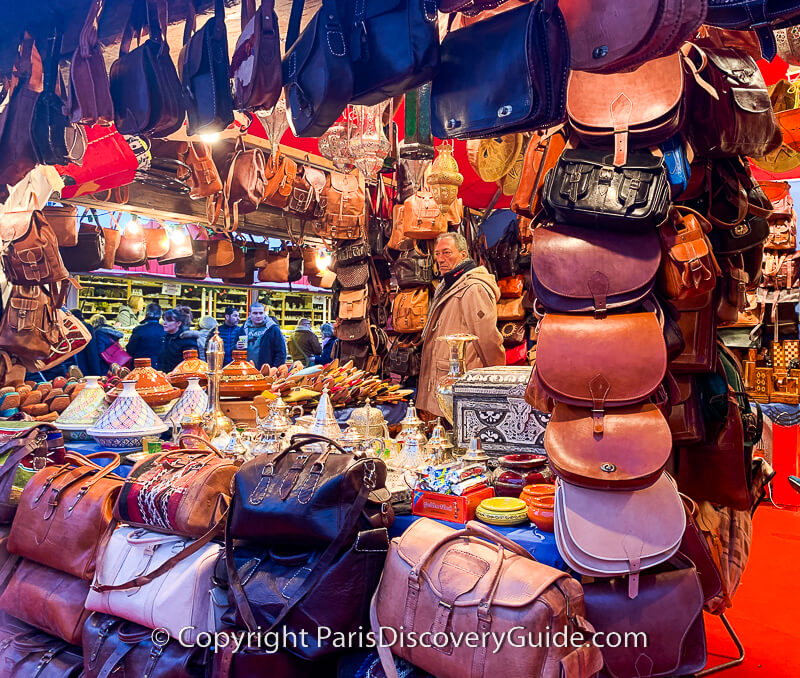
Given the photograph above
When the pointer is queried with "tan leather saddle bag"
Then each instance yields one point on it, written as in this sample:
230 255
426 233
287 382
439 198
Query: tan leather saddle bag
541 156
410 310
280 172
354 304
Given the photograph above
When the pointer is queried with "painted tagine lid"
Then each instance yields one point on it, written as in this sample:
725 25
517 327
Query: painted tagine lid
152 385
241 379
194 401
191 366
128 414
86 408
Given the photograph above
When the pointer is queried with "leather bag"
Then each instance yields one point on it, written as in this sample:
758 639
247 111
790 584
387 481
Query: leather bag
221 252
739 120
695 547
132 248
302 200
64 512
523 69
202 175
29 652
183 492
33 257
404 356
586 189
47 599
780 271
156 241
196 266
353 276
344 208
607 270
410 310
184 596
634 109
111 238
256 61
351 330
275 266
697 322
630 454
422 217
179 248
602 534
63 220
354 304
246 184
511 287
354 253
541 155
89 253
437 579
413 267
280 172
782 234
513 332
686 418
510 309
29 328
504 255
668 609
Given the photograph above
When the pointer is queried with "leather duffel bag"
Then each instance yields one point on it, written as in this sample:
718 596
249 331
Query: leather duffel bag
64 512
30 652
607 270
445 581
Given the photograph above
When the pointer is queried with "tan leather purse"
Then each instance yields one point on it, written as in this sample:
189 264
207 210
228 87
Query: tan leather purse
410 311
220 252
544 149
688 267
132 248
422 216
202 176
397 238
354 304
156 240
510 309
280 172
344 207
63 220
245 185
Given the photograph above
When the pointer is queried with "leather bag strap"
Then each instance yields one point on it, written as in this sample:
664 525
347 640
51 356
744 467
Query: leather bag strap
119 653
18 448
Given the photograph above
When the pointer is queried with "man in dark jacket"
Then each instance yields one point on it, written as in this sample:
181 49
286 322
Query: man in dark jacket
272 347
177 338
305 344
147 336
87 360
230 332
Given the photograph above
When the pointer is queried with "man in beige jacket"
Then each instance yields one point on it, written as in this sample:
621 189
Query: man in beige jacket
464 302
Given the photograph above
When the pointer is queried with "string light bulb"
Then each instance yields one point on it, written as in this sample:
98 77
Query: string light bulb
323 259
210 138
133 227
178 235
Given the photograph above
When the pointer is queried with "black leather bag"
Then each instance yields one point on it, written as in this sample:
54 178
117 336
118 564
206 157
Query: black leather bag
413 268
35 653
317 74
196 266
147 94
761 15
404 357
354 253
750 232
87 255
505 74
204 73
504 254
585 189
352 330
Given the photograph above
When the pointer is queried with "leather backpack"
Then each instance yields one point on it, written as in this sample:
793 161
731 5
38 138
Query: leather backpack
302 200
422 218
246 184
89 253
354 304
33 258
410 311
90 100
344 208
201 173
28 328
541 155
256 60
635 109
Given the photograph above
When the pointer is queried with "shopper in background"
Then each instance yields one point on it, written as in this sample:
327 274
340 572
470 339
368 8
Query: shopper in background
255 327
88 359
304 344
207 326
328 341
272 347
128 315
105 336
177 337
230 332
147 336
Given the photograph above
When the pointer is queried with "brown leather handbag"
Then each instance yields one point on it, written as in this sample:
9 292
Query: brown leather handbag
541 155
633 109
410 310
47 599
607 270
511 309
513 332
63 513
302 200
698 326
354 304
256 60
280 172
437 579
220 252
688 268
180 247
344 208
196 266
629 454
421 216
686 417
695 547
275 266
132 248
33 257
579 361
63 219
202 175
246 184
156 240
90 100
511 288
230 252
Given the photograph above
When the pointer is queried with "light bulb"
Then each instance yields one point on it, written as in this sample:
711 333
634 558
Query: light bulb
209 138
133 227
323 259
178 235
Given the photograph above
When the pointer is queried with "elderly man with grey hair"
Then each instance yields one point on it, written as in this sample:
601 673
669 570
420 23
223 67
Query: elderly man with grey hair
464 302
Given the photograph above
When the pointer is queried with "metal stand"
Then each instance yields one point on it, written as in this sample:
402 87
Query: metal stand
733 662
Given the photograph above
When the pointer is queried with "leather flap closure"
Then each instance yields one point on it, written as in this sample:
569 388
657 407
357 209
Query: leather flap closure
751 100
352 296
30 256
684 383
628 350
738 67
194 57
344 183
351 330
630 453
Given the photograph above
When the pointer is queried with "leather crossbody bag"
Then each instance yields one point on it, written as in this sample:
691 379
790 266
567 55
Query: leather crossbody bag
202 176
245 185
695 547
686 419
132 248
256 60
541 155
608 271
413 267
524 67
33 257
280 172
302 200
352 276
353 253
156 241
89 253
351 330
410 310
512 287
586 189
354 304
196 266
513 332
64 222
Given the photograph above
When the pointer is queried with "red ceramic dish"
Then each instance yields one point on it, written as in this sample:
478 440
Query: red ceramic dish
540 512
241 379
151 384
191 366
515 471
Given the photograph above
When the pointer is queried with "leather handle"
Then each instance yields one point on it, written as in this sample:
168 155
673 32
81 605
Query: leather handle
191 436
88 37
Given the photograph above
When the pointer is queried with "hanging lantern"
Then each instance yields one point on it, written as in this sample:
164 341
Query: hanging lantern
368 145
275 122
445 178
334 143
418 142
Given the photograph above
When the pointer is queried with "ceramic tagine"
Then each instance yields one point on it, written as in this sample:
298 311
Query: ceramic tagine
193 401
126 421
152 385
240 378
191 366
84 411
515 471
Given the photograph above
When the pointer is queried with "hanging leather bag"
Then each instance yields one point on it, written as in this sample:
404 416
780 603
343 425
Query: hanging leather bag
413 267
179 248
64 512
510 309
524 67
132 248
756 14
196 266
511 287
404 356
202 176
33 257
541 155
608 270
344 208
513 332
156 240
688 268
782 234
353 276
89 253
256 61
34 653
497 585
302 201
354 253
698 325
586 189
280 172
410 310
63 220
686 419
421 216
28 328
354 304
504 255
275 267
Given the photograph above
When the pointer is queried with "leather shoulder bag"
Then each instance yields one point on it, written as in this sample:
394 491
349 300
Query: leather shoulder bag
63 220
89 253
607 270
256 60
413 267
698 326
523 66
602 534
511 309
586 189
437 578
275 267
352 276
63 513
512 287
404 356
686 419
33 257
302 200
410 310
280 172
354 304
196 266
156 240
541 155
202 174
695 547
34 653
132 248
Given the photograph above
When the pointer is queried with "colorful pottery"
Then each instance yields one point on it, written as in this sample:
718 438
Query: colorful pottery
540 512
531 492
152 385
515 471
241 379
87 407
192 425
502 511
129 418
191 366
193 401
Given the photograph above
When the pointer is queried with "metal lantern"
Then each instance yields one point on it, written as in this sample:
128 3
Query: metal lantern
275 122
334 144
368 145
445 178
418 144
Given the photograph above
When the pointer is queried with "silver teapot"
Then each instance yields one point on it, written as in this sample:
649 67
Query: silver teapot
411 440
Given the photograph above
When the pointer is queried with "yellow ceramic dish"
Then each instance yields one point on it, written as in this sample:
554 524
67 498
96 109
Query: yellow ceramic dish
502 511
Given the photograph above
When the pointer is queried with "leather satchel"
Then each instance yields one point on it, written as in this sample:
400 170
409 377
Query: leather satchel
413 267
410 310
29 652
686 418
203 64
221 253
737 121
351 330
115 646
354 304
511 287
63 220
179 248
634 109
156 240
782 234
302 200
353 253
511 309
630 454
668 610
64 512
404 356
344 208
586 189
33 258
607 270
422 216
256 61
196 266
543 151
47 599
202 175
132 248
28 328
280 172
183 492
275 267
523 66
602 534
698 326
437 579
